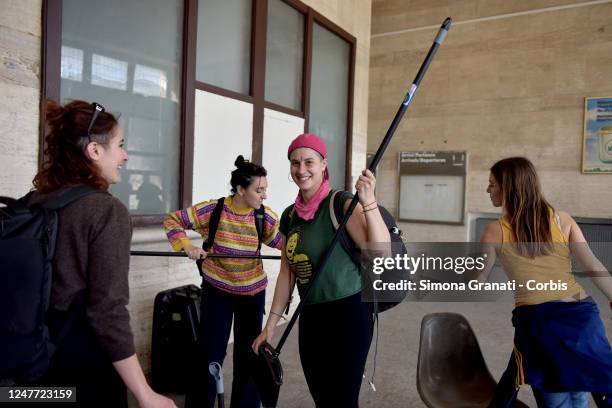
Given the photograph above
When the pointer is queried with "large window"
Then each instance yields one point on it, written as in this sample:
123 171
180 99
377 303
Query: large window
329 97
190 77
224 44
284 55
129 59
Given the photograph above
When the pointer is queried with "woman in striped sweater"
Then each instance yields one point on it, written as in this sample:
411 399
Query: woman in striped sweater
232 288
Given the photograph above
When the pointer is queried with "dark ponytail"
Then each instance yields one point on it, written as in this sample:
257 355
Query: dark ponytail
244 173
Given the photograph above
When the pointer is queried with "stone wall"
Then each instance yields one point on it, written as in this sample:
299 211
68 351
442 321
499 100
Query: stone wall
20 34
510 79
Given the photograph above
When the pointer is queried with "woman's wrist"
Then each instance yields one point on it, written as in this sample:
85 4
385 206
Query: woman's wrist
370 203
271 323
143 394
279 315
365 210
269 332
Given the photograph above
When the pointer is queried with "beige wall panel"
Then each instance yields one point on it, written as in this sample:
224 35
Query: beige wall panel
22 15
434 232
20 53
394 15
20 35
19 135
514 86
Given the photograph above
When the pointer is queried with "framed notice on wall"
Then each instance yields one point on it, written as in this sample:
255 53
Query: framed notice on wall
432 186
597 138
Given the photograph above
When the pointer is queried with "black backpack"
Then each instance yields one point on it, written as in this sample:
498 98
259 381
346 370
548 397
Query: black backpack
27 246
213 224
336 213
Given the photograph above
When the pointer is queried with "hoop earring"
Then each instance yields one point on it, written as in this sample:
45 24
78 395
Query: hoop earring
290 178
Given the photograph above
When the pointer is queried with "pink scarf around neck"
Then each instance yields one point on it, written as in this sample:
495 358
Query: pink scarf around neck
307 210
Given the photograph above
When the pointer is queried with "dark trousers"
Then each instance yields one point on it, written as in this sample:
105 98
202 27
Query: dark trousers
80 362
216 313
334 340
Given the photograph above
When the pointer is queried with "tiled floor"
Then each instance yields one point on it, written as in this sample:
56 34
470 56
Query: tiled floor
398 351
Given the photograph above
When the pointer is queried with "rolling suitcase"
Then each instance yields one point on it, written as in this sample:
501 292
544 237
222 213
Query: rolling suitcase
174 342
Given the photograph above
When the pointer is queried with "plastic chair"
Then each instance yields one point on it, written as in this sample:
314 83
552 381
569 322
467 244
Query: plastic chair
451 370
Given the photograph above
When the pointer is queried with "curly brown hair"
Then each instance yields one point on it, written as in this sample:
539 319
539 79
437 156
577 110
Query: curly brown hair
65 159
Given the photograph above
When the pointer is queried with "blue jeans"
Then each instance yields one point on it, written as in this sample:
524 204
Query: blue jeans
561 399
217 310
505 394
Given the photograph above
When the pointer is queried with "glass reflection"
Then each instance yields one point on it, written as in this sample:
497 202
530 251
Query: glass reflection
72 63
109 72
129 59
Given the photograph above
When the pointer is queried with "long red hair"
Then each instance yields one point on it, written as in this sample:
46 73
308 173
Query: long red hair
65 158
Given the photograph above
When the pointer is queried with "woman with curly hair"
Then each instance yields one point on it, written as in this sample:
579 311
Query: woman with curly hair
91 263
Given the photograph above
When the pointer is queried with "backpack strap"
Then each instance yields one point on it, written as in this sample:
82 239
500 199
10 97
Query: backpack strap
213 224
336 214
66 197
291 287
336 218
259 225
291 211
54 203
215 217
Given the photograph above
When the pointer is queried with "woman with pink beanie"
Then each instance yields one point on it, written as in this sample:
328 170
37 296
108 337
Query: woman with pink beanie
335 325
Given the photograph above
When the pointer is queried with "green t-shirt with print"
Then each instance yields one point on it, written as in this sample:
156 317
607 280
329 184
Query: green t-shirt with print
305 244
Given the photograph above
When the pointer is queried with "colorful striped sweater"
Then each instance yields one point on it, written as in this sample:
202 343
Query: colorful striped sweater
236 234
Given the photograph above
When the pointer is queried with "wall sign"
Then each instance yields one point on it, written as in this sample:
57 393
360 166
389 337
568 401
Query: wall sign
432 186
597 137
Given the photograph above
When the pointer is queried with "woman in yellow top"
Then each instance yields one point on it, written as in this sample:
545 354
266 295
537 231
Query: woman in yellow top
561 348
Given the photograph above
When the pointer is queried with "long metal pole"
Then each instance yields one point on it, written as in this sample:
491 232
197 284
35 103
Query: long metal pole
183 255
377 157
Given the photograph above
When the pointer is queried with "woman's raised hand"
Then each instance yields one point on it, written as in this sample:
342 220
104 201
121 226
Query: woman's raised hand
365 185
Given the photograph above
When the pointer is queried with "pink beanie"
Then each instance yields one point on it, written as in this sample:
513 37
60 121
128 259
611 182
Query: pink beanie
309 140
